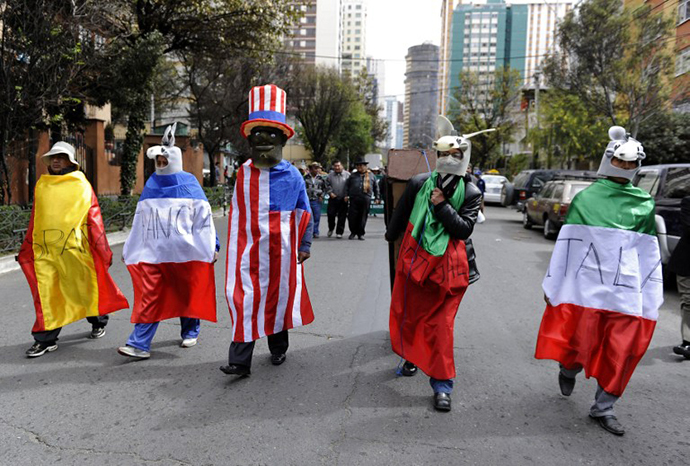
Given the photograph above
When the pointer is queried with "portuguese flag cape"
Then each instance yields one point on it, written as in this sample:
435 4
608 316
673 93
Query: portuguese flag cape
605 285
65 255
431 277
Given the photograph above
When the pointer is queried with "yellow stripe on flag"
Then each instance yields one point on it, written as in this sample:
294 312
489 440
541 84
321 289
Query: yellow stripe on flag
65 272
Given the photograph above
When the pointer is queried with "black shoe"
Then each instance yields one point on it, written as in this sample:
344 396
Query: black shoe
566 383
39 350
97 332
442 401
352 236
360 237
682 350
408 369
610 423
278 359
235 369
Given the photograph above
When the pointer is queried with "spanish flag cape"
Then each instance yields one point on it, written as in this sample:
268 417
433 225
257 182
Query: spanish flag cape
169 252
431 277
605 285
65 255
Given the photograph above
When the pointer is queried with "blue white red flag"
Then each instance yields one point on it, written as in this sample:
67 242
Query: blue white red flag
265 285
169 252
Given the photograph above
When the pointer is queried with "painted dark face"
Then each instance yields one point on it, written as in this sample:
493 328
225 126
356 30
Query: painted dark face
267 146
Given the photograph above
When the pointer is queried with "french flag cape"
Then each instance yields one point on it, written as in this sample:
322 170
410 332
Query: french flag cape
265 285
65 255
169 252
605 285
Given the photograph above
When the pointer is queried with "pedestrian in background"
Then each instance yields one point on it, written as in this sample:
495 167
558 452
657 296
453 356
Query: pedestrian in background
337 204
316 188
65 255
360 187
680 264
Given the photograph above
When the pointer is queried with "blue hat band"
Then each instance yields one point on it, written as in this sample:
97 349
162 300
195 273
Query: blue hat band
267 115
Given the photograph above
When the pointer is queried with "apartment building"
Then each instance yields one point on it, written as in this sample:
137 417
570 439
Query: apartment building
353 46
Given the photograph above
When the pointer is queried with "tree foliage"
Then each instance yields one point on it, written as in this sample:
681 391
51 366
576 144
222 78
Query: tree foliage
666 138
617 62
484 101
355 136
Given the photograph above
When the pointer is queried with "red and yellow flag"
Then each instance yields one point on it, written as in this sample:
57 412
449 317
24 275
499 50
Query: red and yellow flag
65 255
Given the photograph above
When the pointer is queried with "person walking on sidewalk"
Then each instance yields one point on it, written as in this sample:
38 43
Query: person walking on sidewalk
360 187
269 238
316 188
337 205
603 287
65 255
170 253
436 214
680 264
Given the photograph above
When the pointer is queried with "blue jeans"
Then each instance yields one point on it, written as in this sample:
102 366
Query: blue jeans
143 334
441 386
316 213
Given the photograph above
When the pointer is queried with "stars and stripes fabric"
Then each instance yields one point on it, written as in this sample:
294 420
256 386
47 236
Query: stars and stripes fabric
169 252
265 286
65 255
604 283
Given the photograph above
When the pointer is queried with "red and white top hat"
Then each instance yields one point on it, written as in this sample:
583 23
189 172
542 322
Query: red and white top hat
267 108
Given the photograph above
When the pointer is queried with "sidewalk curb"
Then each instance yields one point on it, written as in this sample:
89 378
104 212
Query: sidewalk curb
9 263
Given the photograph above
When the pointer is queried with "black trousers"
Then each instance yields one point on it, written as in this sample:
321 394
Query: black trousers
337 208
241 353
49 337
357 214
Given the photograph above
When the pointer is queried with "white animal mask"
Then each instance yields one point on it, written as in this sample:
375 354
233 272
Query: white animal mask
168 150
622 147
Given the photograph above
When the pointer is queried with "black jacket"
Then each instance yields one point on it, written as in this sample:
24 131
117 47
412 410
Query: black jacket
459 224
680 259
354 186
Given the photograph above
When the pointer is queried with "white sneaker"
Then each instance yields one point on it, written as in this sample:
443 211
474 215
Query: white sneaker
188 342
133 352
339 236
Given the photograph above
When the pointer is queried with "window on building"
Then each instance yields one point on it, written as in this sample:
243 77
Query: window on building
358 39
302 32
303 43
358 15
303 7
683 61
358 31
357 47
303 20
358 23
683 11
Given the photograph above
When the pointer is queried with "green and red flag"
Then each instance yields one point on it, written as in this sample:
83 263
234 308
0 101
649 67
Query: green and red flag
604 284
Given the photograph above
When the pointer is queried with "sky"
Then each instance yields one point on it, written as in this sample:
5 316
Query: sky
393 26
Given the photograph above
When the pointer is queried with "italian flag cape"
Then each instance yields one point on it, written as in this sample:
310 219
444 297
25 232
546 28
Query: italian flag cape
65 255
431 277
605 285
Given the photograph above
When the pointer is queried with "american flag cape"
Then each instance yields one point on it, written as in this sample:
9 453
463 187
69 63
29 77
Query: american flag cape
265 286
169 252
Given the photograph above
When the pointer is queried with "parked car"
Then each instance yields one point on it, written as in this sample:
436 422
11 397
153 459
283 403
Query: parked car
667 184
550 205
494 185
527 183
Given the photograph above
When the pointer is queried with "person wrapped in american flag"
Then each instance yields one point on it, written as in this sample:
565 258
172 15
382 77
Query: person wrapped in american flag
269 238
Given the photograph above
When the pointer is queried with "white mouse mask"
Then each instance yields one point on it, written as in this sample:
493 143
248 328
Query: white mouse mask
168 150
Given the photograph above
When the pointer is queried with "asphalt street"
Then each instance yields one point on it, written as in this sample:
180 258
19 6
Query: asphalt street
337 399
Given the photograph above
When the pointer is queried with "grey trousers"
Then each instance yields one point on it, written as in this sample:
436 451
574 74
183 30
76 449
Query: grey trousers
603 401
684 291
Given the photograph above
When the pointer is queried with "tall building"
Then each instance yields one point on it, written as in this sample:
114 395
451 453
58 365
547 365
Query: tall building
390 114
444 76
421 95
541 33
376 69
317 37
353 48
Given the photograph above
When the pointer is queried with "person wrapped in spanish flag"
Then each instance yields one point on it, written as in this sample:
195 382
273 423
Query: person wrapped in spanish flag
65 255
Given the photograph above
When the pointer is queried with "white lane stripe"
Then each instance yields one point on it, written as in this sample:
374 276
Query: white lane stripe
232 258
264 245
247 284
284 289
606 268
171 230
297 305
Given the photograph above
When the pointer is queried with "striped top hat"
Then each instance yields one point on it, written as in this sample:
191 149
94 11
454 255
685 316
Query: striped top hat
267 108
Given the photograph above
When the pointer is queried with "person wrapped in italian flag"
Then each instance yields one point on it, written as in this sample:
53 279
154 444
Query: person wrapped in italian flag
604 286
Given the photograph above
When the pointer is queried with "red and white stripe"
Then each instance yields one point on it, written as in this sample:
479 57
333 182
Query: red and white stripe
264 286
267 98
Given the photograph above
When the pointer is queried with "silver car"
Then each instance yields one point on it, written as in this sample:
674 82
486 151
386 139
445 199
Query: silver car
494 184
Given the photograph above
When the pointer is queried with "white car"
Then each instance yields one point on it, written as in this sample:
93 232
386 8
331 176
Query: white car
494 184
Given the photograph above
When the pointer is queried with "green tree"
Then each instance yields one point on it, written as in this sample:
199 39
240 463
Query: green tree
355 137
666 138
616 61
484 101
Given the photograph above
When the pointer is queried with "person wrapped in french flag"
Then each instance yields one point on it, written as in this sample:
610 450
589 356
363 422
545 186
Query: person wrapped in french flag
269 237
170 252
